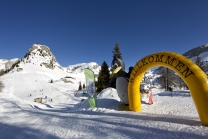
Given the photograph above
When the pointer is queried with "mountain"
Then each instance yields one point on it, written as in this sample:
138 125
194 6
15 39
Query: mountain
7 64
199 55
81 66
39 70
196 51
200 51
40 59
41 55
64 112
40 66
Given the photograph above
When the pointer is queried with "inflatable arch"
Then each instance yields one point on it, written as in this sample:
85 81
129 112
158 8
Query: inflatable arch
192 75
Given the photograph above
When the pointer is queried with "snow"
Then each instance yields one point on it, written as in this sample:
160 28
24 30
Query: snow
67 116
81 66
4 64
204 56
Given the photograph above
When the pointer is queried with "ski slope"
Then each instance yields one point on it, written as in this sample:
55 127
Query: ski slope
67 116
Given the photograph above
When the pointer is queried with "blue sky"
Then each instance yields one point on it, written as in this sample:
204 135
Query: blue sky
82 31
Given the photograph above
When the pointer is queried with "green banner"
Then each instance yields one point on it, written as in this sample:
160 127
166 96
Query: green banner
90 85
92 101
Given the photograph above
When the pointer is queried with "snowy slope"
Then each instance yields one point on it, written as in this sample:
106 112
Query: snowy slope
204 56
2 63
169 117
67 115
64 112
77 68
5 64
33 79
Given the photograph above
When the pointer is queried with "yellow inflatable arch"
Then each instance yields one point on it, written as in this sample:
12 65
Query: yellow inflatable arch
192 75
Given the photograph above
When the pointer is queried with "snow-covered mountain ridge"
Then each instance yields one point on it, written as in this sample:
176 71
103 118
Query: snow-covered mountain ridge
196 51
7 64
62 106
81 66
41 55
39 61
197 54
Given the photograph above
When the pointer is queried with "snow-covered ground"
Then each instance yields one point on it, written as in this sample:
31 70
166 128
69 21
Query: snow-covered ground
64 114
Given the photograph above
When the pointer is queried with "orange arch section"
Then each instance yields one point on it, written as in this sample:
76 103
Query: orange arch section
192 75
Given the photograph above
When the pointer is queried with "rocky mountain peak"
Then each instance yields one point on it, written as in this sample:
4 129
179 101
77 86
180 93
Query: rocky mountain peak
42 50
196 51
42 55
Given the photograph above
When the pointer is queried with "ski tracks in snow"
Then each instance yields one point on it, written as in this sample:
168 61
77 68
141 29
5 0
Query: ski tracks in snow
33 120
25 122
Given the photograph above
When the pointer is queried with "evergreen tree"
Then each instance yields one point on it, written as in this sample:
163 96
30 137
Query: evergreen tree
80 86
83 86
103 76
116 52
51 81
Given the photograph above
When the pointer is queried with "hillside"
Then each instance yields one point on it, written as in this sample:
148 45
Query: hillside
199 53
64 112
196 51
39 69
77 68
39 61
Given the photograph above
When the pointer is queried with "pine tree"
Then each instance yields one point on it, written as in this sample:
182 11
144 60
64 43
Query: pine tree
80 86
103 76
116 52
51 81
83 86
